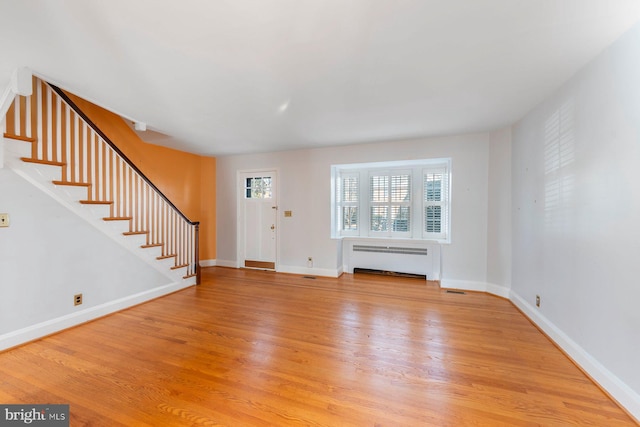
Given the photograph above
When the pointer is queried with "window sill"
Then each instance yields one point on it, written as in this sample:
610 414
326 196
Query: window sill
391 239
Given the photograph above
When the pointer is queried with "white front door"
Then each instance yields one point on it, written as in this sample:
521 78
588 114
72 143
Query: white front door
259 213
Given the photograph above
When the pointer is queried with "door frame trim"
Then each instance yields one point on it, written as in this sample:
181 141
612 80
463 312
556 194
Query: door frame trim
240 211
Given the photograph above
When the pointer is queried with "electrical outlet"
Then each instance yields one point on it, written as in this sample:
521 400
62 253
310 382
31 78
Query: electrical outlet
77 299
537 300
310 262
4 219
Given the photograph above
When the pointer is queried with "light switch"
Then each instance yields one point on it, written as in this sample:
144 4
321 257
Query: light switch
4 219
287 213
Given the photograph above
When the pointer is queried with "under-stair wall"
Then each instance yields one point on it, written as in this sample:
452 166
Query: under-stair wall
48 254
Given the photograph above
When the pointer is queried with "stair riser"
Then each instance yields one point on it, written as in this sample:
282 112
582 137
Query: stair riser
72 193
47 173
118 227
136 239
168 263
155 251
96 211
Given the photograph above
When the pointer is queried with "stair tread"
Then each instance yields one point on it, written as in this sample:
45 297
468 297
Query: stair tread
166 256
19 137
95 202
74 184
152 245
133 233
42 162
189 276
175 267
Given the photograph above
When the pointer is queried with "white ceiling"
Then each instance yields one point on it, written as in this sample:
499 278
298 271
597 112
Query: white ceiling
220 77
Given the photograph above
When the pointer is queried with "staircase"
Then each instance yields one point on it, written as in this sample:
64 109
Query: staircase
55 146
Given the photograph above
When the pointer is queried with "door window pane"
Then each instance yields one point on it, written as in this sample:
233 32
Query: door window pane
258 188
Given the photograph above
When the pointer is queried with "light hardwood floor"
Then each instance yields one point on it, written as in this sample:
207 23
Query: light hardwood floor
258 348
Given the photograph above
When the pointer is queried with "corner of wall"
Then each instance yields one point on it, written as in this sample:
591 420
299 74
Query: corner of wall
208 263
468 285
227 263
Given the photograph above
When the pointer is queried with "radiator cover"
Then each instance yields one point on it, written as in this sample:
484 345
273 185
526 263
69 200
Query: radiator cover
392 255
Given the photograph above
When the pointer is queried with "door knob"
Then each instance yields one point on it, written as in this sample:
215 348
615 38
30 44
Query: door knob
273 227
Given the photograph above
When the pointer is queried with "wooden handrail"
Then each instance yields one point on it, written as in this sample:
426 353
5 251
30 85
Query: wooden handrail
106 139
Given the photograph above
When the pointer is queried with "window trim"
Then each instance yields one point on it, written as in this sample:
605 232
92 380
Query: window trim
417 170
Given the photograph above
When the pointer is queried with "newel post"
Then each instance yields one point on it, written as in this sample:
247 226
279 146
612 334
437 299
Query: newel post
197 253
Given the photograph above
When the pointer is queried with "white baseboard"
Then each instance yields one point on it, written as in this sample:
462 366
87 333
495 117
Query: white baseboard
208 263
468 285
324 272
225 263
620 391
498 290
34 332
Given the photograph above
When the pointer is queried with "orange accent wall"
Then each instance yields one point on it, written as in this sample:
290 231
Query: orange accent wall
188 180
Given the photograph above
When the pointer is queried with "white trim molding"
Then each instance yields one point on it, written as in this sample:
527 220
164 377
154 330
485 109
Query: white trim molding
208 263
227 263
6 99
468 285
617 389
323 272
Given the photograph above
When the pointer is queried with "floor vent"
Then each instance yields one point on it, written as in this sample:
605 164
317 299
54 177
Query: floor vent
309 277
388 273
450 291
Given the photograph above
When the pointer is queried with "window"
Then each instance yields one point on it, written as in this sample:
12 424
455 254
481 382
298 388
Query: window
435 203
258 188
392 199
349 202
390 202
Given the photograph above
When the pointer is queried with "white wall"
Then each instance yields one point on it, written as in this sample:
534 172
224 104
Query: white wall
49 254
576 217
499 213
305 189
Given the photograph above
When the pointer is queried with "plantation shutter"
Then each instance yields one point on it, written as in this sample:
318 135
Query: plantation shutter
436 193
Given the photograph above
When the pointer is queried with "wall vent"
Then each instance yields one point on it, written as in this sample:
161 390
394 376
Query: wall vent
391 250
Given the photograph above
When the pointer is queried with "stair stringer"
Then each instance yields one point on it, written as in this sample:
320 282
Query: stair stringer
41 176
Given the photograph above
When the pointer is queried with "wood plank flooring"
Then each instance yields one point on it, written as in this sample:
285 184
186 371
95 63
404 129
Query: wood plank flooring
252 348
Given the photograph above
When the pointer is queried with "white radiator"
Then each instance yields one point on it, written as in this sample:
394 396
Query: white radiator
396 256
